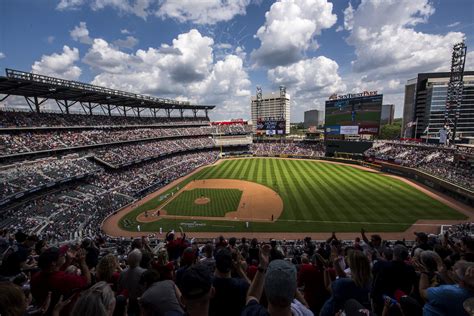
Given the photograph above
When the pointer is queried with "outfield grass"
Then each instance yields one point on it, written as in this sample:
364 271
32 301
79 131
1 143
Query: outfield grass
221 202
317 196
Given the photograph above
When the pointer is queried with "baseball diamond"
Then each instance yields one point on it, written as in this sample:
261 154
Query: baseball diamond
317 197
220 202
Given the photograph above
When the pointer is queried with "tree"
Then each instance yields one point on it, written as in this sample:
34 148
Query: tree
391 131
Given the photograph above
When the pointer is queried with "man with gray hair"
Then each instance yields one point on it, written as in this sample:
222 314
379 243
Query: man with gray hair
449 299
129 281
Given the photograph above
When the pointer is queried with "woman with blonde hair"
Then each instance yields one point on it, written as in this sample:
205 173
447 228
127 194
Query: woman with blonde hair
357 287
99 300
164 267
108 270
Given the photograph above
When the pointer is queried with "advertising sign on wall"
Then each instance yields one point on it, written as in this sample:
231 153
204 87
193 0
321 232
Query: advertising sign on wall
350 130
333 129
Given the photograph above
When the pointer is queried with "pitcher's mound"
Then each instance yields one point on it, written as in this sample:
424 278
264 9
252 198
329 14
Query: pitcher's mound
202 200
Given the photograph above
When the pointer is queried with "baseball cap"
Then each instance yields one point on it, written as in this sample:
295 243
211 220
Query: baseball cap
223 260
196 282
280 282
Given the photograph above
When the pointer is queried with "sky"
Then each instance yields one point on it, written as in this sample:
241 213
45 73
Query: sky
218 51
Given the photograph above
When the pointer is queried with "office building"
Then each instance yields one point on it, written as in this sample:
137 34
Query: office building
274 109
387 115
313 118
425 103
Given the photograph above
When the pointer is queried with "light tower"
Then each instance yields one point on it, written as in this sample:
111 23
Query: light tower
259 102
455 88
282 101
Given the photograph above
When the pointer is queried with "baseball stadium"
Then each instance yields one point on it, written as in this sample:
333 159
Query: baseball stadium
237 158
147 187
148 175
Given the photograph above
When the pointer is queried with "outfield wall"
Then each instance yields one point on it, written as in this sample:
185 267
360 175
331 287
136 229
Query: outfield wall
459 193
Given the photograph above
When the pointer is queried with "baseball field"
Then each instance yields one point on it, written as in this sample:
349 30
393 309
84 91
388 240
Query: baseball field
285 195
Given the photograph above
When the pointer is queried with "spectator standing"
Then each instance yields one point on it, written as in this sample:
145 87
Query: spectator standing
197 291
357 286
160 297
449 299
51 279
311 278
392 276
278 278
99 300
208 259
230 293
129 280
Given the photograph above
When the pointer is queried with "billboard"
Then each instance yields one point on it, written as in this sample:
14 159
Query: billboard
332 129
350 130
271 126
363 112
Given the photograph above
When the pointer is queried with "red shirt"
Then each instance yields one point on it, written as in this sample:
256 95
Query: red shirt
312 278
251 271
59 283
166 271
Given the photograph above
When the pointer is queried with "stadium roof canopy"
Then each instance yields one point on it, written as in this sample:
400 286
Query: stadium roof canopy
38 88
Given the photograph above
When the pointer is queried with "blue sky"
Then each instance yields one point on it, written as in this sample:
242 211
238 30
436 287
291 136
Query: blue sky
217 52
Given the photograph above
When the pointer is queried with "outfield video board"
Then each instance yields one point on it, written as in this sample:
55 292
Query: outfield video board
354 115
271 127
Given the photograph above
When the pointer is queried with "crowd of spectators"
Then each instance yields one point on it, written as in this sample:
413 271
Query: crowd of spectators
9 119
12 143
232 129
130 153
133 180
309 149
22 177
175 274
81 206
436 160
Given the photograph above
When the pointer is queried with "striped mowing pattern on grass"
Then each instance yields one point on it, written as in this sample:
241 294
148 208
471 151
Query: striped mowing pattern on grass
221 202
320 196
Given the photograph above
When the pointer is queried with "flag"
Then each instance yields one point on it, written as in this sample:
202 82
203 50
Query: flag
426 129
410 124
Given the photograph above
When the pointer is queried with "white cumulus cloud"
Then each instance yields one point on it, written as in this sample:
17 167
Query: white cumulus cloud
102 56
390 50
59 65
128 42
69 4
202 12
2 55
80 33
185 69
388 44
290 29
140 8
310 82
